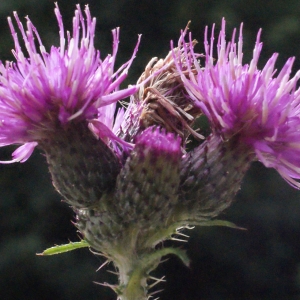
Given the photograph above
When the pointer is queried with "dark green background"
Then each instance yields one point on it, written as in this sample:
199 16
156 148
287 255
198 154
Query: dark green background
260 263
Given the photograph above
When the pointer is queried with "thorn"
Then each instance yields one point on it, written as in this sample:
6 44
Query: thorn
164 260
179 240
189 227
151 294
112 272
153 299
182 234
180 228
157 282
105 284
105 263
98 253
154 278
78 235
99 283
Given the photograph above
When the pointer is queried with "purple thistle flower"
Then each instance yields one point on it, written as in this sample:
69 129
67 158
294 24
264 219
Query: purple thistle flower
242 102
159 143
69 84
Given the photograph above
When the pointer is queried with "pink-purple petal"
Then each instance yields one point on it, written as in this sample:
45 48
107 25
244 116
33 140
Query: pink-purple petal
22 153
67 84
258 106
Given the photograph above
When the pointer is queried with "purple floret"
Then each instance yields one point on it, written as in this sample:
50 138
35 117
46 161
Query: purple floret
43 90
160 142
244 102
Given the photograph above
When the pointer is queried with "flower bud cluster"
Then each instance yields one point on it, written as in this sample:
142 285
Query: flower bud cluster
129 174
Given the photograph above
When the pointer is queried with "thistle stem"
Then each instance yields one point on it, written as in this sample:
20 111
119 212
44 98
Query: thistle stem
135 288
133 274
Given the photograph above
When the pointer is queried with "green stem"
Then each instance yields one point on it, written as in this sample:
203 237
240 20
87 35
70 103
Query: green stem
136 287
133 279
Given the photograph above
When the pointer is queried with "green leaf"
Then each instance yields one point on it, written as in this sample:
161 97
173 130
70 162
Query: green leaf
158 254
64 248
218 223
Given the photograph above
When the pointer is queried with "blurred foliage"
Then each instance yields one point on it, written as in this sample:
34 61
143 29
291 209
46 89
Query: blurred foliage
261 263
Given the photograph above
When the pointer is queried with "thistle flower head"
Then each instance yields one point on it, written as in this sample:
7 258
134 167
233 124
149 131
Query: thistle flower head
43 90
148 183
159 143
255 106
161 101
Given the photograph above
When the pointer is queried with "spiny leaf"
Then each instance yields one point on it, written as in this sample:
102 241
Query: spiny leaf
64 248
158 254
217 223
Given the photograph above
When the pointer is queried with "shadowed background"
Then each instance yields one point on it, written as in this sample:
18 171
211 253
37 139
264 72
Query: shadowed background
261 263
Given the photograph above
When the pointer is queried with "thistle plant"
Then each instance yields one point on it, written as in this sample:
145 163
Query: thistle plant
126 168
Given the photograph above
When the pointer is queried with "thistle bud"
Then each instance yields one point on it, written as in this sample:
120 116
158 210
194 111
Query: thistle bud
211 175
83 168
148 183
145 195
